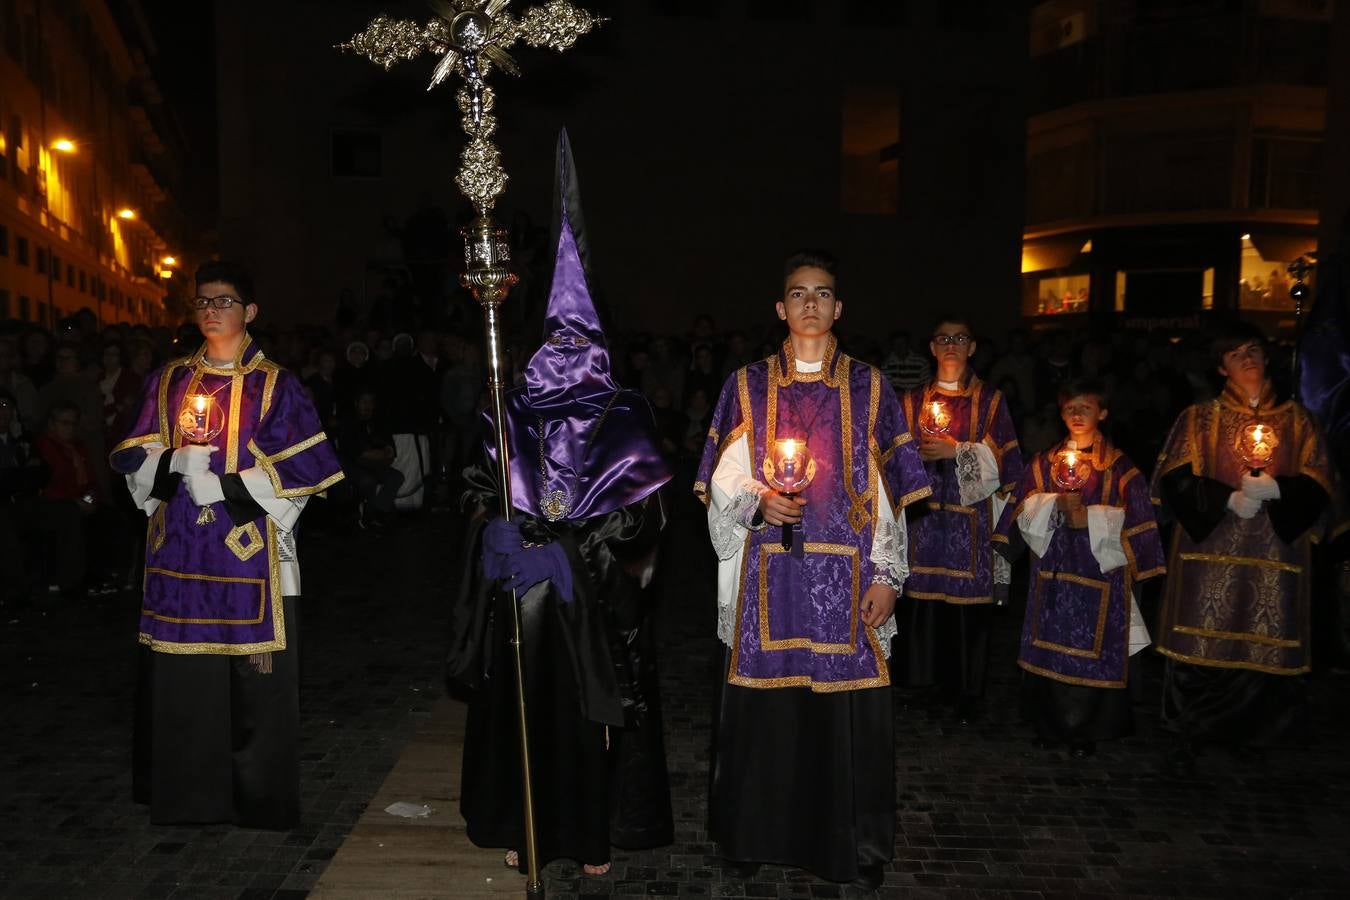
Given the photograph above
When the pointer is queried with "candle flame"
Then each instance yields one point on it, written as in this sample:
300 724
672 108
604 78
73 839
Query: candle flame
1071 459
789 448
199 402
937 409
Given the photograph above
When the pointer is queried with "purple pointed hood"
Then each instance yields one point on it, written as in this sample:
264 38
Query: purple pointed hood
580 445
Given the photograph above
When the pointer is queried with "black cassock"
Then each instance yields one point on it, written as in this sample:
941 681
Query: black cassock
597 755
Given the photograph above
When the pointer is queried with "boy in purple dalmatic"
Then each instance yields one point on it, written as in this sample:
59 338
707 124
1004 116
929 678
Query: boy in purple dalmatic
804 762
217 711
1085 512
970 450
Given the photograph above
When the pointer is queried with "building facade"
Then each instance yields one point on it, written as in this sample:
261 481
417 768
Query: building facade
89 154
1174 159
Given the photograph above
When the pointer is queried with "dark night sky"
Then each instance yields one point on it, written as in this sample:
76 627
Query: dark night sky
185 69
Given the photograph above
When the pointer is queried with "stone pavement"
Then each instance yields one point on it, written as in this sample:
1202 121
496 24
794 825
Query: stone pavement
982 814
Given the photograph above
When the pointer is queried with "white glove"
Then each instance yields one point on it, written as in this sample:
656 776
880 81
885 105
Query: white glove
1243 506
194 459
1260 487
204 488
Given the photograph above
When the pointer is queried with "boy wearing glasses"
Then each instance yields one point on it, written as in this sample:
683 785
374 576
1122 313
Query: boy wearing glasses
969 447
1235 621
217 722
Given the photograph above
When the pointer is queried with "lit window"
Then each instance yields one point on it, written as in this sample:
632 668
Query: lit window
1263 278
1062 294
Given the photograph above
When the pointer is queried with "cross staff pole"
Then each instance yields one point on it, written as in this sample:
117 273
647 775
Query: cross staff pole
472 36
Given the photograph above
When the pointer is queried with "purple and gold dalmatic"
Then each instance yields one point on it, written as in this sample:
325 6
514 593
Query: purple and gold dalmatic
1077 625
798 621
216 587
1240 598
949 553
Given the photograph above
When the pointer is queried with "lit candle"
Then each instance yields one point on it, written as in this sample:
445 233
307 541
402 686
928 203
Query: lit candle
1256 446
936 418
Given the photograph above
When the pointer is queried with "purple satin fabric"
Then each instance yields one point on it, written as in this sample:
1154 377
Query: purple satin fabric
1077 626
949 554
798 621
579 446
200 596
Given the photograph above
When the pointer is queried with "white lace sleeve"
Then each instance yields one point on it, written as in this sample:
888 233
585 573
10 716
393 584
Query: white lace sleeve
733 498
890 562
976 472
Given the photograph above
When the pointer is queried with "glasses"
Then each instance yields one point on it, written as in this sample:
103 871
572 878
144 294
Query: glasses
959 340
224 301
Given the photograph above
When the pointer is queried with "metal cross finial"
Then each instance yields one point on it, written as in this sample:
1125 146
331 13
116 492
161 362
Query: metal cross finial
471 36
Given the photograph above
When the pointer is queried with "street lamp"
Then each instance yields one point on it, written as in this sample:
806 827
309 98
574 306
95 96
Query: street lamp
126 213
64 145
169 261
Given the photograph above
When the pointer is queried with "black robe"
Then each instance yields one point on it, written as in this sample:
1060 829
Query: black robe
596 747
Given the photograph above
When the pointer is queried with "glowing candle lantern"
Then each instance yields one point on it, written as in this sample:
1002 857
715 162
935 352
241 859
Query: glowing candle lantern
936 418
1256 443
790 470
1070 469
200 420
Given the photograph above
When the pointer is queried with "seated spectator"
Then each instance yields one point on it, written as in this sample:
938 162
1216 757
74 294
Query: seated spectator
367 453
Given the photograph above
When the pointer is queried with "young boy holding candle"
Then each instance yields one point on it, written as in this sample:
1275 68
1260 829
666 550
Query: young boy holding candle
970 451
1235 618
1084 510
217 718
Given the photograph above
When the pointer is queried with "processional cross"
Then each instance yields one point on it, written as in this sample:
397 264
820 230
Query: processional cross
470 37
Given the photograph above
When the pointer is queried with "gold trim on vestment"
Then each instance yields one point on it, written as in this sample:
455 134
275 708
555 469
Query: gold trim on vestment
237 546
225 579
1250 636
273 371
1233 664
973 514
232 439
767 643
138 441
1074 679
1241 561
1103 609
198 360
948 598
154 529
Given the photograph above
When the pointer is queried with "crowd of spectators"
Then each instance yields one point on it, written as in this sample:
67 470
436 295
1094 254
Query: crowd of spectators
405 412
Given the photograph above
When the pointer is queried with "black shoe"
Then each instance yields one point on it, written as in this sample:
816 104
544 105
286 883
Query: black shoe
965 710
869 877
1082 749
1041 743
740 870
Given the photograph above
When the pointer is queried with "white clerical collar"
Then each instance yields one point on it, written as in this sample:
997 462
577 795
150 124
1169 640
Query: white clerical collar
806 367
950 385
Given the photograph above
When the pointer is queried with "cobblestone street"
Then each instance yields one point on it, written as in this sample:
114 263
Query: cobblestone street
982 813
